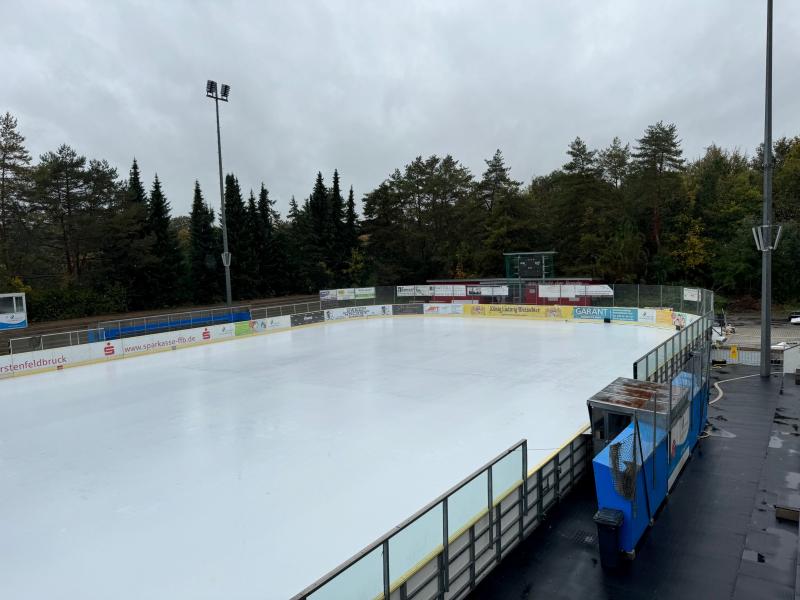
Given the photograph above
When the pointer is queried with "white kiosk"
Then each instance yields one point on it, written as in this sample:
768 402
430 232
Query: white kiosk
13 312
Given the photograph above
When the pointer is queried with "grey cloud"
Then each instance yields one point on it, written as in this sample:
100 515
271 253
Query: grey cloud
367 86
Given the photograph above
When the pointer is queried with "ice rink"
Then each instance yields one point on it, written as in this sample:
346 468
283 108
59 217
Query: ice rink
249 468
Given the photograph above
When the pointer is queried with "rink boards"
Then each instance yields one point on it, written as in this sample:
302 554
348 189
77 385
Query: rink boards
250 469
70 356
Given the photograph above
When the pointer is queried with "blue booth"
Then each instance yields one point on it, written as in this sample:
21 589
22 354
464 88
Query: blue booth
643 433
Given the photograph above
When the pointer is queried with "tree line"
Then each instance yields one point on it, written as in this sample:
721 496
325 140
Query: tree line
81 240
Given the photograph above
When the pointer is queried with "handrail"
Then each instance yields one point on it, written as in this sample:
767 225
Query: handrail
319 583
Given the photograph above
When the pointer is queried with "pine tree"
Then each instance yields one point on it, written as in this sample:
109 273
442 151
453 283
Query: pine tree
582 160
166 272
128 245
507 220
253 249
204 264
351 222
136 193
239 238
270 259
658 159
319 213
337 250
14 162
614 162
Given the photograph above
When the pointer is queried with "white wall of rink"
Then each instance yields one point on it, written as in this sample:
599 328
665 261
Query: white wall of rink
60 358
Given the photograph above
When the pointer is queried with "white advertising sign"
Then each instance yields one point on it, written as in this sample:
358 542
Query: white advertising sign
459 290
443 290
405 290
691 294
356 312
327 295
595 290
549 291
278 322
647 315
443 309
346 294
423 290
365 293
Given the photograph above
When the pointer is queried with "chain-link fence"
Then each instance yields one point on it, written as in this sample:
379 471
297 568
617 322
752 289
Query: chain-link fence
686 301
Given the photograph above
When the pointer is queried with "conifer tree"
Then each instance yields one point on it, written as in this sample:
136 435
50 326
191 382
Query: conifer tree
351 222
14 162
166 270
239 239
204 263
336 246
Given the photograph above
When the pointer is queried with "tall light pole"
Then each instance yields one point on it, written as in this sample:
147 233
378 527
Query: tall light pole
211 92
766 229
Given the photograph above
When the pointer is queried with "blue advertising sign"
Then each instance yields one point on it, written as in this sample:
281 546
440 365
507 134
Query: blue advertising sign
598 313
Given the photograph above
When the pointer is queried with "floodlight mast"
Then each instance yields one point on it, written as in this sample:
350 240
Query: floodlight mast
766 251
211 92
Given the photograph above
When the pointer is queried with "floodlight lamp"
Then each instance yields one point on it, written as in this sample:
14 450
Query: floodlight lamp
211 88
226 89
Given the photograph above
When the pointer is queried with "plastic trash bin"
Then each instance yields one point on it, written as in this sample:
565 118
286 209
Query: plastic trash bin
609 522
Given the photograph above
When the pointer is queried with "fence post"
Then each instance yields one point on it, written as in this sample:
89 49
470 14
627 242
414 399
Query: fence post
490 502
445 548
525 477
386 580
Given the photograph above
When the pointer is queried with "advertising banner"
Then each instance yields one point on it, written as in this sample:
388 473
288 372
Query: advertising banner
407 309
459 290
680 319
346 294
647 315
107 350
405 290
44 360
443 290
307 318
357 312
691 294
170 340
501 290
443 309
365 293
251 327
473 290
598 313
423 290
18 320
569 291
664 317
327 295
524 311
278 322
595 290
549 291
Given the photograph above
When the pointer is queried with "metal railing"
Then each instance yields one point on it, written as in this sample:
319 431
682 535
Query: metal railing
49 341
531 292
461 535
121 328
265 312
524 292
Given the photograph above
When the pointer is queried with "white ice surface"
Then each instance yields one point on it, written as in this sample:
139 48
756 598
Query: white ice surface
249 468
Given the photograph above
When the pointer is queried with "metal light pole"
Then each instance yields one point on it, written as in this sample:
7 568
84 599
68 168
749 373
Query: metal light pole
766 251
211 92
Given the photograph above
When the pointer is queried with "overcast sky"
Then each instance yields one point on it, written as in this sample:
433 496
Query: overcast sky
366 86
